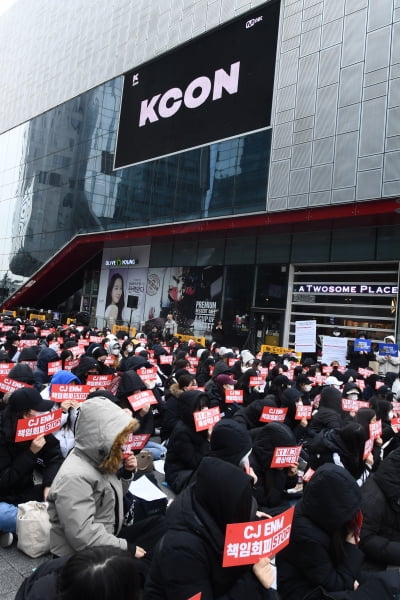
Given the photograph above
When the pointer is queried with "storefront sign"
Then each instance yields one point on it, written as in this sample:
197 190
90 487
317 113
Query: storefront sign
120 262
314 288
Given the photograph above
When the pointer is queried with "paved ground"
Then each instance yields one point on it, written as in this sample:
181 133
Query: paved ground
15 566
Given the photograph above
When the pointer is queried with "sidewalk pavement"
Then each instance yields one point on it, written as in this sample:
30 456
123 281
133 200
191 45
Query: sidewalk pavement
15 566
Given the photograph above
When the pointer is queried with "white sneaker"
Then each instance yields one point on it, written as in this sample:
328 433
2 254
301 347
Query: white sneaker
6 539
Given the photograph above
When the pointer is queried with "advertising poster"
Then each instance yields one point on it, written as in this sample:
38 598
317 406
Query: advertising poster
191 294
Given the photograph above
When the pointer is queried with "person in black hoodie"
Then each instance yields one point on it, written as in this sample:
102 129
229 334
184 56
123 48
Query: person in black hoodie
330 414
188 559
272 483
41 374
322 559
186 446
380 532
343 447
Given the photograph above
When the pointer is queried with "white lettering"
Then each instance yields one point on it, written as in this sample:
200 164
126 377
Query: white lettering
147 111
165 110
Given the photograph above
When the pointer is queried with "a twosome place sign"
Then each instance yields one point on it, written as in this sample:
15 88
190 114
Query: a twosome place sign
215 87
346 288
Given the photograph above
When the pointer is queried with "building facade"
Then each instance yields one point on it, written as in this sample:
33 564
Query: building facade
292 220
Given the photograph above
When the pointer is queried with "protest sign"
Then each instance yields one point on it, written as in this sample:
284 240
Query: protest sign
140 399
303 411
60 392
246 543
31 428
134 442
203 419
285 456
53 367
234 396
375 429
271 413
10 385
99 381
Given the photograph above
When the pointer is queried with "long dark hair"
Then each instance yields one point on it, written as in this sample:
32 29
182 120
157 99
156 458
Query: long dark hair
99 574
121 302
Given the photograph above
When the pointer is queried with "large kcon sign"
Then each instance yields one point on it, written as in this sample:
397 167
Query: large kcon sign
378 289
215 87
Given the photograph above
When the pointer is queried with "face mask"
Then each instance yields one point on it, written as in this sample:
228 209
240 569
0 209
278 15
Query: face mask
352 396
229 387
307 388
129 348
115 351
336 333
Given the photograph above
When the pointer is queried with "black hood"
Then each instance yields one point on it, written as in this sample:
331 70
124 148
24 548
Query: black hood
331 398
137 362
387 477
22 372
268 438
45 356
331 498
189 403
130 383
224 491
230 441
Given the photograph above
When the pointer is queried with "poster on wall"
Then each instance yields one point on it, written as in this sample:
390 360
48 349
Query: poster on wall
191 294
125 296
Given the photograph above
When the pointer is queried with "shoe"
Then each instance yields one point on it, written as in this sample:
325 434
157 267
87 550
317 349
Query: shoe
6 539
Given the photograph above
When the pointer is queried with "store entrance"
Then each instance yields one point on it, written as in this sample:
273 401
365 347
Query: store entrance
268 327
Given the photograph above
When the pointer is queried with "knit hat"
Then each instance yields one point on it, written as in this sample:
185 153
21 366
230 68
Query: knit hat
25 399
247 357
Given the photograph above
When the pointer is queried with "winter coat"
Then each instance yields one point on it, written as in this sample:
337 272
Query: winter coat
85 501
330 414
380 532
186 446
188 560
18 463
331 499
271 485
170 415
249 416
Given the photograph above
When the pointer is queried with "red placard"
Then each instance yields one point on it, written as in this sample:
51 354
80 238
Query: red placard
29 429
69 391
396 406
375 429
263 371
54 367
256 381
203 419
166 359
327 370
195 597
191 370
99 380
140 399
147 374
10 385
28 343
134 442
350 405
234 396
95 339
395 422
303 411
368 446
246 543
193 361
271 413
71 364
285 456
379 384
76 351
308 474
5 368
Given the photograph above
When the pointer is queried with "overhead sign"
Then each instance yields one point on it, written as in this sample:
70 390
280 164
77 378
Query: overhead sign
202 91
348 288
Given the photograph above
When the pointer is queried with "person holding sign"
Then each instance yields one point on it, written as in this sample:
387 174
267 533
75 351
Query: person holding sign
388 356
188 560
272 483
19 460
186 446
322 559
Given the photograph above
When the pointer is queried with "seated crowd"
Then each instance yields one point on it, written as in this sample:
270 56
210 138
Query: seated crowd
119 403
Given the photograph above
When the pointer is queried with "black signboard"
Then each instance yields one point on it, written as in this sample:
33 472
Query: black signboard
215 87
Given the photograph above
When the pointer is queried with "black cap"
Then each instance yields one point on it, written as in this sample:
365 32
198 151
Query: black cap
26 399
